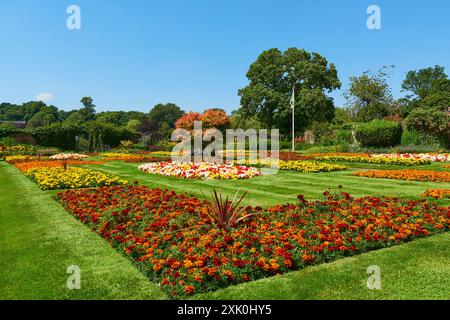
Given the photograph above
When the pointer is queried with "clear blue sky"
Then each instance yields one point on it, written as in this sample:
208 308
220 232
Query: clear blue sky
130 55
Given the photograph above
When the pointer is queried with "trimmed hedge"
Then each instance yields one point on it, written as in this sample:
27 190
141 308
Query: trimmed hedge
57 135
379 133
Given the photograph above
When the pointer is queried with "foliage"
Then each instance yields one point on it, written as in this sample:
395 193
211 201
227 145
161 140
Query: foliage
415 138
272 77
120 118
6 129
57 135
435 123
237 121
74 119
323 133
216 118
41 119
187 120
103 135
88 110
419 83
23 112
188 254
379 133
439 97
225 213
344 136
166 114
369 95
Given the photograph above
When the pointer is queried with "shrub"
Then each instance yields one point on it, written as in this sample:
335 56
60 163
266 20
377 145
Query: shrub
57 135
435 123
6 129
415 138
379 133
344 136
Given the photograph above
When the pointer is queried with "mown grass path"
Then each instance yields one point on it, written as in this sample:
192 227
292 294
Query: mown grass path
282 187
39 240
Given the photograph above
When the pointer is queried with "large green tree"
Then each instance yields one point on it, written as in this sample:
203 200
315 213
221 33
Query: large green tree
419 83
88 110
165 116
369 95
272 78
166 113
439 96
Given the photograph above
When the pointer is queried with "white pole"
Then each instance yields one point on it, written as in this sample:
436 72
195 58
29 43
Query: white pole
293 117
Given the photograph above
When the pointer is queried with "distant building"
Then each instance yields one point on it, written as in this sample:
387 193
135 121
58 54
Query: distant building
17 124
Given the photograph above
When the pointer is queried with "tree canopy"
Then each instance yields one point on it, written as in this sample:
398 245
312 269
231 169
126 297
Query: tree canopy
369 95
419 83
273 76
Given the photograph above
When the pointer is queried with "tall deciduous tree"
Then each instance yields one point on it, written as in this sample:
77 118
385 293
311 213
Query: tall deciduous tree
369 95
88 110
273 76
167 113
419 83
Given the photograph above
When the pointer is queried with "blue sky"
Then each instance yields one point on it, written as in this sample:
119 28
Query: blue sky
130 55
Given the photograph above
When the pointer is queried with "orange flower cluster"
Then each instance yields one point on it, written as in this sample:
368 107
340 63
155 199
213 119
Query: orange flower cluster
28 165
437 193
447 166
172 238
413 175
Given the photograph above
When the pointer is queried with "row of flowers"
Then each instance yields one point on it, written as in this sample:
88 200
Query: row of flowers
68 156
172 238
53 178
437 193
16 150
375 160
414 175
434 157
24 166
203 170
294 165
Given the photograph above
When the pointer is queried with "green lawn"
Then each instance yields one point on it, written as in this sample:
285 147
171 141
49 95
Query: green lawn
39 240
284 186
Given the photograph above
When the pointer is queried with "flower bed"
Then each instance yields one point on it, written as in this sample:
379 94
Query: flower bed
170 236
434 157
72 178
68 156
25 166
375 160
294 165
414 175
309 166
204 170
16 159
437 193
16 150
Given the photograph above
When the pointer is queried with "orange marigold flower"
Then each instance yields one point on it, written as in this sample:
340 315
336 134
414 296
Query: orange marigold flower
189 289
